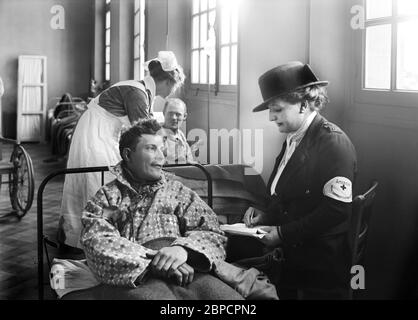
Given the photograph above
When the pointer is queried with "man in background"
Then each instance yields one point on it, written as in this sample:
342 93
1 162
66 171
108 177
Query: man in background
177 148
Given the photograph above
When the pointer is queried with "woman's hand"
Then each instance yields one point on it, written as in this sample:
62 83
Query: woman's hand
253 217
271 238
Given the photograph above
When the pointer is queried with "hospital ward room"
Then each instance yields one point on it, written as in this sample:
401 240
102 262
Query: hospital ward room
228 151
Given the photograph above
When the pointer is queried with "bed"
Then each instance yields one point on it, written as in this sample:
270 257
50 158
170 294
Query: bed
226 189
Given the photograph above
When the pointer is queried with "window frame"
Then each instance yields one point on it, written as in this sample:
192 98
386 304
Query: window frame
139 13
392 96
106 11
217 86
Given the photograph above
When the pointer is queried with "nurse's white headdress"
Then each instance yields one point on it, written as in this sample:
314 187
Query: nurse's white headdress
167 59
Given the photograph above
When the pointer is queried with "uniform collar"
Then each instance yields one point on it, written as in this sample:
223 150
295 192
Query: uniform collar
298 135
150 85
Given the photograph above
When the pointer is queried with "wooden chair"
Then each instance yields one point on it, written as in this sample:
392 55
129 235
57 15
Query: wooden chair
360 222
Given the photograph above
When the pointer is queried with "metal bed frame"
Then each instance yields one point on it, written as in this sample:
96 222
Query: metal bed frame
43 240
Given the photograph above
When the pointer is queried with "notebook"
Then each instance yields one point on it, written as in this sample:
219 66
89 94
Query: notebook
242 229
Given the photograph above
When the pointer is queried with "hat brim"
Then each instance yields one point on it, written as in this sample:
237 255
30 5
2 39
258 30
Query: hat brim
265 104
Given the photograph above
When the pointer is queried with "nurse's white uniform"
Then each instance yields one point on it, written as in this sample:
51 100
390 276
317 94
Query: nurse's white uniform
95 142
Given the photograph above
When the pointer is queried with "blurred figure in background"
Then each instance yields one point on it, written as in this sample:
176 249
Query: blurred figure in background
177 147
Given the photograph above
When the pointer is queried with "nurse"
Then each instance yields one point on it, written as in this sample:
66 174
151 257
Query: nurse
96 136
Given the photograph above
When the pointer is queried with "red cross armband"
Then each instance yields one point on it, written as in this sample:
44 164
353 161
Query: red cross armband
339 188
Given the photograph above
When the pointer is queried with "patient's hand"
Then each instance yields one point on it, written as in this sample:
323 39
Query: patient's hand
168 259
253 217
183 274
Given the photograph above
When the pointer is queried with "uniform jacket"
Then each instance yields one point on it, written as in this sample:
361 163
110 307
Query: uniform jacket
314 226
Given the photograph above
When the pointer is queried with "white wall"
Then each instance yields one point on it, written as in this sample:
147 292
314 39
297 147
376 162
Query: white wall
271 33
25 30
171 34
329 52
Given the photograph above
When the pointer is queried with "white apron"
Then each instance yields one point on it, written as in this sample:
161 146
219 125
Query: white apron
95 142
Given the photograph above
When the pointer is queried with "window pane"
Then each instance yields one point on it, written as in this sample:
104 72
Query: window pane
195 6
203 5
378 8
378 47
225 65
136 70
136 23
234 26
107 55
234 64
141 62
107 19
407 7
136 47
203 67
136 5
225 26
195 32
107 42
212 69
107 73
212 17
142 20
407 64
195 66
212 4
203 29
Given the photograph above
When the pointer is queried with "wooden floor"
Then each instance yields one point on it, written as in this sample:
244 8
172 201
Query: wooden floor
18 246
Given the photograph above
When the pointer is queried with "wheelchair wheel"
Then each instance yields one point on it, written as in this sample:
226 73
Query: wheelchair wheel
21 181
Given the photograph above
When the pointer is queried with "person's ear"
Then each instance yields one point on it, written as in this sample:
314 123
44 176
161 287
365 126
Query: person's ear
126 154
303 106
185 116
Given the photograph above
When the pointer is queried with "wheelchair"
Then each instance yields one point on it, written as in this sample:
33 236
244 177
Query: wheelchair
21 182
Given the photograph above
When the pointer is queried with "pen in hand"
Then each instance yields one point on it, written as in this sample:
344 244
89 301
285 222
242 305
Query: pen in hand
249 216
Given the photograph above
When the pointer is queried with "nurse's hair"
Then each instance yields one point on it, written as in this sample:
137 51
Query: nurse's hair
316 97
131 135
176 76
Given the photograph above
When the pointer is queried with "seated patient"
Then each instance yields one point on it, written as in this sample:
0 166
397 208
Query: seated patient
177 148
147 236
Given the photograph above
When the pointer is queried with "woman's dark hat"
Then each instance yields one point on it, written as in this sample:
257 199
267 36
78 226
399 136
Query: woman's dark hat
285 79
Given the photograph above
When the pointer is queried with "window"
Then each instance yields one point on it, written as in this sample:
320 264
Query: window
214 38
107 41
139 39
390 45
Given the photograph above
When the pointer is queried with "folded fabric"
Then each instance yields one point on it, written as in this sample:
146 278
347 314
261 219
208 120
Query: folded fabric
270 264
68 275
251 283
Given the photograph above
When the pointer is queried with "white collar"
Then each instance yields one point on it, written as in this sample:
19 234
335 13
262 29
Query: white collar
300 133
150 85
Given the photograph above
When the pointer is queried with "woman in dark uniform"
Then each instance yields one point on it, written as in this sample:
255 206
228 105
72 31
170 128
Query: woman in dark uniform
310 188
